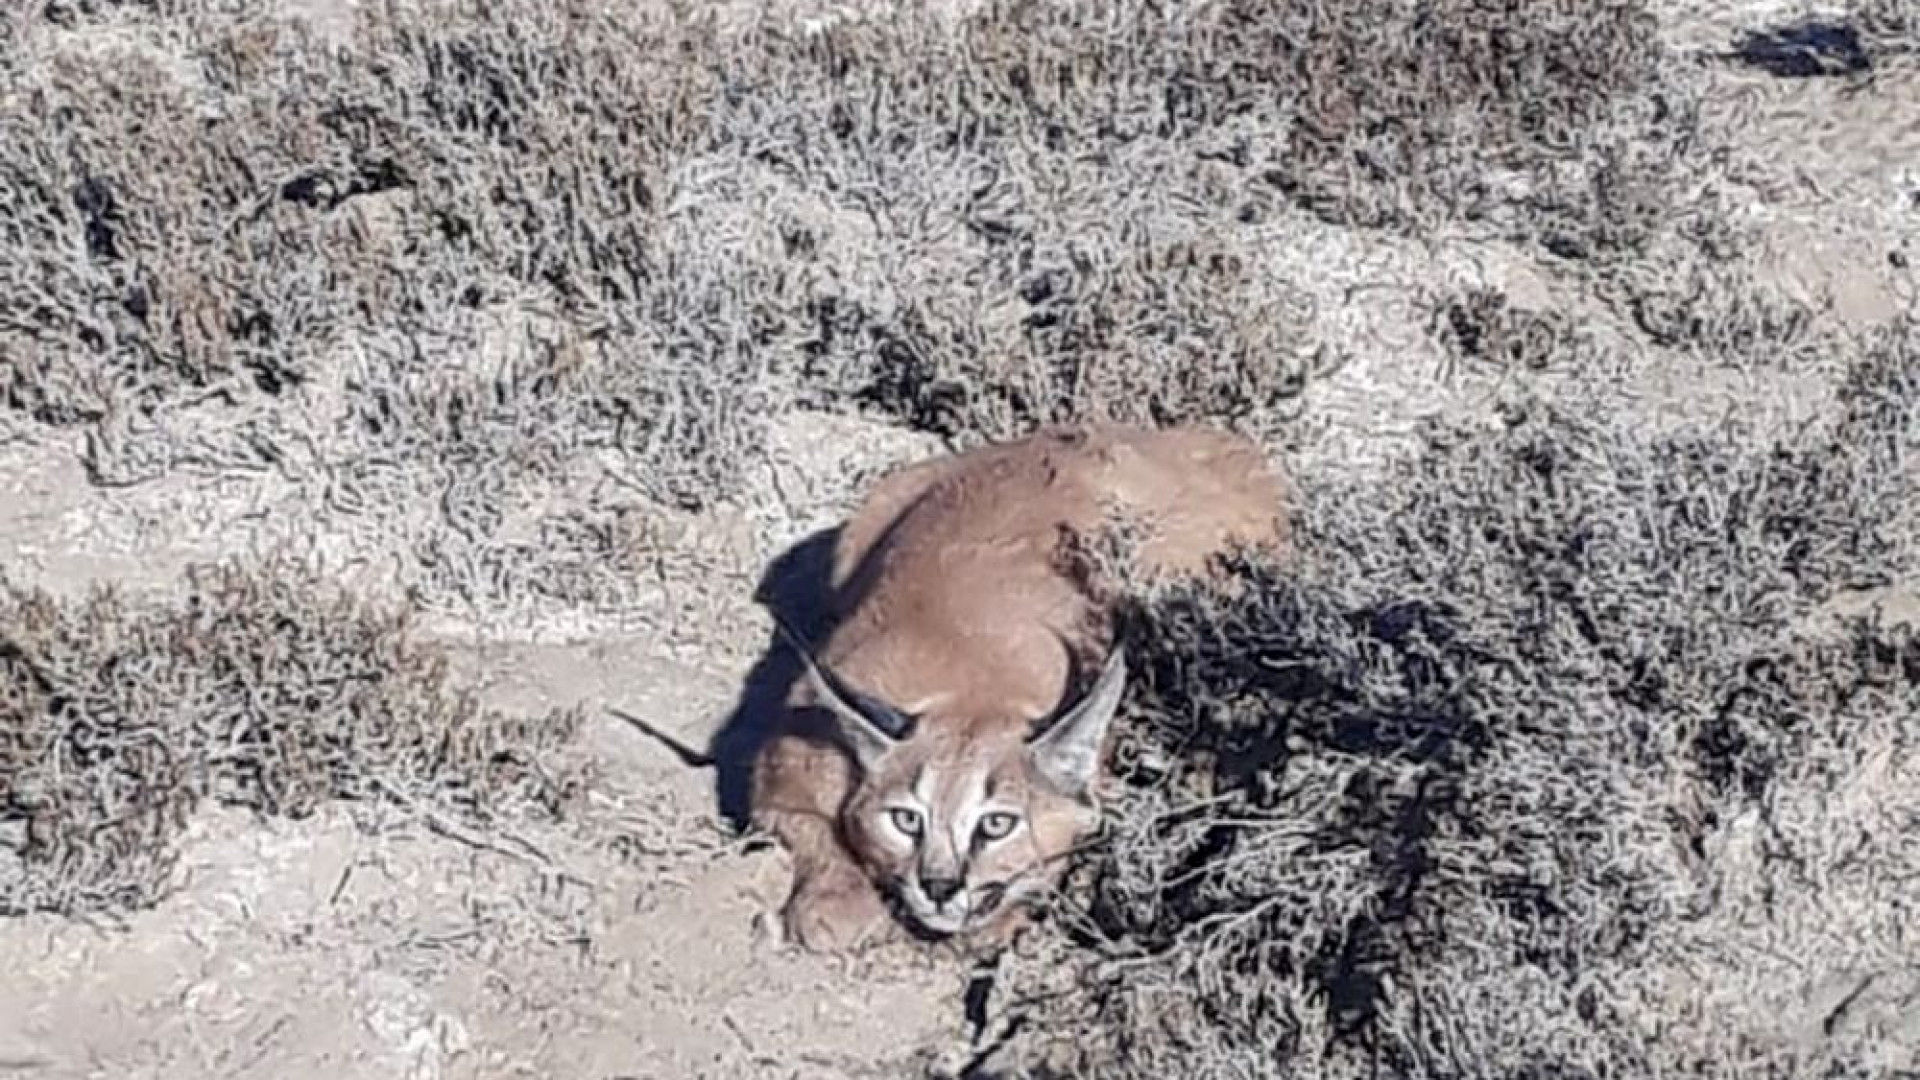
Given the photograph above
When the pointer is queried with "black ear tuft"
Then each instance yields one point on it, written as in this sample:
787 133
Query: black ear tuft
892 722
870 727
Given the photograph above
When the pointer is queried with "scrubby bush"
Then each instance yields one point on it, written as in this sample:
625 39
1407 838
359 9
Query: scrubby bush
1033 212
1483 325
258 688
469 253
1568 749
444 236
1074 209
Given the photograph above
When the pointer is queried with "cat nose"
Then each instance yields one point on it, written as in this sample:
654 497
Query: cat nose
940 889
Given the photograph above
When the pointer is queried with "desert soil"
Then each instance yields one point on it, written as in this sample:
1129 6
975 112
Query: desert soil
633 943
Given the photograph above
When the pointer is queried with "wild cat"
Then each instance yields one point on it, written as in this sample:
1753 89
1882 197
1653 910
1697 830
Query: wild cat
937 761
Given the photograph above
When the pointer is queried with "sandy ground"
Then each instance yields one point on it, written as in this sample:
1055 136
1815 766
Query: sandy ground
631 943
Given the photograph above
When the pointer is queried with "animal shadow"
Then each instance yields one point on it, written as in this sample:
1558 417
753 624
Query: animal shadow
796 586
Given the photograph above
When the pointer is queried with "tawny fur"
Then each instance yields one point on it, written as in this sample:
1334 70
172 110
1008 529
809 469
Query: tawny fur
949 601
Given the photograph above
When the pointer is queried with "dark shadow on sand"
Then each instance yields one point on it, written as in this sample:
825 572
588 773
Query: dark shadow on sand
796 587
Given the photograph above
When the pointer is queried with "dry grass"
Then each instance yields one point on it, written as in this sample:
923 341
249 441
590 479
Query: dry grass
483 250
258 688
970 229
1551 757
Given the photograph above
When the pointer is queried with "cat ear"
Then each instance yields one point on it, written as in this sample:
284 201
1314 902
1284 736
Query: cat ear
1067 754
868 728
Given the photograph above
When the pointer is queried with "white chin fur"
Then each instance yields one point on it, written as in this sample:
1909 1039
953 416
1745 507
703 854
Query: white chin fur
939 922
949 920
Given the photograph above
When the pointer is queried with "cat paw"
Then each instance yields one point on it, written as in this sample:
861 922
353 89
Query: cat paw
837 916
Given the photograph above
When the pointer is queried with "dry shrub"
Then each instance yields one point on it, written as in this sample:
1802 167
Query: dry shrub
1558 120
1036 211
480 253
257 688
1549 757
206 206
1704 314
1726 310
433 275
1484 325
1072 207
1891 28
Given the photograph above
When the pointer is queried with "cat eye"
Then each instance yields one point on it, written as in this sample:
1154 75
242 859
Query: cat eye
997 825
906 820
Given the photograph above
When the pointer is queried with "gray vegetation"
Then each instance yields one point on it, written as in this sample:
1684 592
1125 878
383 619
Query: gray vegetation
1578 742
